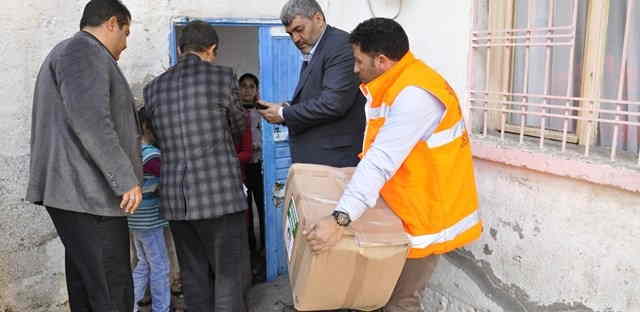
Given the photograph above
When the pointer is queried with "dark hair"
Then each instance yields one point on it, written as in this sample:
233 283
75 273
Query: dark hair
96 12
197 36
251 77
144 119
381 36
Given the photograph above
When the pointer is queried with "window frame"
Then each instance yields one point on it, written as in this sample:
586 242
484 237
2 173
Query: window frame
498 37
593 70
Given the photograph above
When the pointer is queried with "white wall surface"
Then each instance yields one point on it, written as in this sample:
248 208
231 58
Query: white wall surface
438 30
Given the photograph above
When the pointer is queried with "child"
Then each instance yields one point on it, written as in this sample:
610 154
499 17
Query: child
249 89
147 227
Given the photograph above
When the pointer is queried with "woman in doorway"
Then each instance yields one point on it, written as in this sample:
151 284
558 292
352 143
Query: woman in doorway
249 86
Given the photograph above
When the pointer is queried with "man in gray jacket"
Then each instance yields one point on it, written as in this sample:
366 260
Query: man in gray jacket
85 158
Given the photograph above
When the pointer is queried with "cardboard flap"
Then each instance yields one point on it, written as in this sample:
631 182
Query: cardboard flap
379 226
318 190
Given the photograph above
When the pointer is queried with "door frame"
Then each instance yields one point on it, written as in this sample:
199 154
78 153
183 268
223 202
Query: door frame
183 20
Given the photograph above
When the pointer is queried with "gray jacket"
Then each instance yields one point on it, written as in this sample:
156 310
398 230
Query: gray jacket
85 137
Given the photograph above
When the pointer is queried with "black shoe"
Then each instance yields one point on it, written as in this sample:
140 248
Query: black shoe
144 302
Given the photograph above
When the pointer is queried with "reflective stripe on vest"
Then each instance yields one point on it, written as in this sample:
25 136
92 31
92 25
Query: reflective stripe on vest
446 136
424 241
377 112
436 139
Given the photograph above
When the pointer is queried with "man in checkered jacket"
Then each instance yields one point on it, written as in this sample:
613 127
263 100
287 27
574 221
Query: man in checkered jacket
196 117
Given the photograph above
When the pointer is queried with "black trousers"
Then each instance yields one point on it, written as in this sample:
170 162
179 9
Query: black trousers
97 264
214 262
255 186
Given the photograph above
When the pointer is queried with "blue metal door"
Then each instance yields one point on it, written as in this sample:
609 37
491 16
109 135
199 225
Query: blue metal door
279 70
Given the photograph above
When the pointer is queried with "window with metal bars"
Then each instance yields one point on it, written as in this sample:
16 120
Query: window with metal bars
564 74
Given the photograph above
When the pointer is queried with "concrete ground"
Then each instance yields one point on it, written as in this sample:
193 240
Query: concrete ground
274 296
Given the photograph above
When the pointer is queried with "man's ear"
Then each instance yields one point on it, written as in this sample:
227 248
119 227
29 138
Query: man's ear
317 17
112 24
382 61
212 50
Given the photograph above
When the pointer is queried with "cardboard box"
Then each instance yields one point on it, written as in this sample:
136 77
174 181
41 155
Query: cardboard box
361 271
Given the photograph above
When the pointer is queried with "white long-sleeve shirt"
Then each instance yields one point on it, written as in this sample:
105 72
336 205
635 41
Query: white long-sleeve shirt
413 117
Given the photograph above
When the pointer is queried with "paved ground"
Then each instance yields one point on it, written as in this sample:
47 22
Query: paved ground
266 297
271 297
274 297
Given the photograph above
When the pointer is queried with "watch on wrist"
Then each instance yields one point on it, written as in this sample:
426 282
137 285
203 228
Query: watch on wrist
342 218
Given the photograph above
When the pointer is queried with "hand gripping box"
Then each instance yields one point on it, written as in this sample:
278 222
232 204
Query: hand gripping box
361 271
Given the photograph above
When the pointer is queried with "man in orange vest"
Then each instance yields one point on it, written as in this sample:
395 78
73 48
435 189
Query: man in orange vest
416 155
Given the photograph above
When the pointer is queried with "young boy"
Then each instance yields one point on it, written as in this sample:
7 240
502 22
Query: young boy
147 227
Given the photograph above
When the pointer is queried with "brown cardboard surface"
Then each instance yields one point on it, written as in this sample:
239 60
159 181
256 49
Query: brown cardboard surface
361 271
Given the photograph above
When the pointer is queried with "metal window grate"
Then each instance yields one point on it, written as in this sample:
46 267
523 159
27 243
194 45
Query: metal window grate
502 104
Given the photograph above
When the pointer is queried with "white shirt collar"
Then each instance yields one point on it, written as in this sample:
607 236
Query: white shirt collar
307 57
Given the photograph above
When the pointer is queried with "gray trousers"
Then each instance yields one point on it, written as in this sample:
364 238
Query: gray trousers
407 296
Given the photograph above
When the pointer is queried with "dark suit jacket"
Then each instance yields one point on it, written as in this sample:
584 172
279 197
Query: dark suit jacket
197 119
85 137
326 116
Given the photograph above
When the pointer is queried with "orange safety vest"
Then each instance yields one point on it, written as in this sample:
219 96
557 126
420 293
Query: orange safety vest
434 190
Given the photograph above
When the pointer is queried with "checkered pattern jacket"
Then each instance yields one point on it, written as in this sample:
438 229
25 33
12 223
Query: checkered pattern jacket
196 118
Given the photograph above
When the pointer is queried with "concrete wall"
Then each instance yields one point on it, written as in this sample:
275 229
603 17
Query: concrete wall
239 49
551 243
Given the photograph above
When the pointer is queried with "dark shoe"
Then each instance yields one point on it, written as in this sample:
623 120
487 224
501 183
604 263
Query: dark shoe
144 302
176 287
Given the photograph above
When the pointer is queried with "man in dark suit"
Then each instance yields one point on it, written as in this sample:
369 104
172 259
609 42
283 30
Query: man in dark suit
196 117
85 157
326 114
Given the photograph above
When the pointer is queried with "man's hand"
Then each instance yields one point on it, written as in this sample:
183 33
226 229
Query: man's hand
131 200
323 235
271 113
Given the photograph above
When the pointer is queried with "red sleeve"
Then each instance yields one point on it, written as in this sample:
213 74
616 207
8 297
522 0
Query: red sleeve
245 149
152 166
